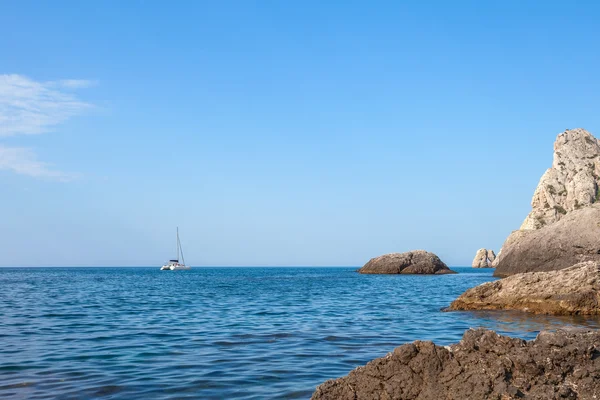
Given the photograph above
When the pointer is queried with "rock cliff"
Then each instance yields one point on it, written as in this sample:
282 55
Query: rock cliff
563 227
483 365
412 262
571 183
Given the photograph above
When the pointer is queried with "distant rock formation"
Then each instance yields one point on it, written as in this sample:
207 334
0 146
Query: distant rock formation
412 262
483 258
571 186
480 260
570 291
483 365
571 183
491 256
573 239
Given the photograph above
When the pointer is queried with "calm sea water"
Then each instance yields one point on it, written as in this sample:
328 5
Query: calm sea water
214 333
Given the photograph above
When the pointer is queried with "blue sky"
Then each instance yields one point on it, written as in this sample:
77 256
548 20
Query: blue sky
282 133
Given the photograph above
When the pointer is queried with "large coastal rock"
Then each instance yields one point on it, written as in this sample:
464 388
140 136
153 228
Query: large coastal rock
570 291
412 262
563 227
571 183
573 239
483 365
483 258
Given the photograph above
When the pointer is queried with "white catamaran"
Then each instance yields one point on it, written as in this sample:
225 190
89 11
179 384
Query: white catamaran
173 265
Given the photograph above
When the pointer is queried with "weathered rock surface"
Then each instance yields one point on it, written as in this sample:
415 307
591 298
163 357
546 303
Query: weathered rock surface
412 262
570 291
571 183
483 258
573 239
483 365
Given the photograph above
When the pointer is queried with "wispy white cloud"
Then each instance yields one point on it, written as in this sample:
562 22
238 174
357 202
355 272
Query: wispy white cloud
30 107
24 161
74 83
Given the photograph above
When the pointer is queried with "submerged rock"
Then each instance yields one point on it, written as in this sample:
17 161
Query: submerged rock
483 258
572 182
573 239
483 365
570 291
412 262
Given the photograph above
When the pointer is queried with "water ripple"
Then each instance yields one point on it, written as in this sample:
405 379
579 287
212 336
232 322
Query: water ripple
213 333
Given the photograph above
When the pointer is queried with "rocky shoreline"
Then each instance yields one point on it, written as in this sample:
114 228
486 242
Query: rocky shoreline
571 291
551 265
483 365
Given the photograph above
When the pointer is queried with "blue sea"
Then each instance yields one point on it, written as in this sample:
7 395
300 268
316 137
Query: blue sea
215 333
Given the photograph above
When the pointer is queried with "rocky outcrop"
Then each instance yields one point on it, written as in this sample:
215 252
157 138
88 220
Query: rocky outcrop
563 227
412 262
483 258
480 260
573 239
571 183
570 291
483 365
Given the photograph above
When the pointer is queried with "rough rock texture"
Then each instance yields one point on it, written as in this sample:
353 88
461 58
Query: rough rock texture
571 183
570 291
483 365
573 239
412 262
483 258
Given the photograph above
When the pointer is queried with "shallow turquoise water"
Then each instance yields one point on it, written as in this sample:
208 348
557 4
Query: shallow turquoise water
213 333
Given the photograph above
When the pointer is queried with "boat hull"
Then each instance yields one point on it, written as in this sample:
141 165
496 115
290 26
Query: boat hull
180 268
175 267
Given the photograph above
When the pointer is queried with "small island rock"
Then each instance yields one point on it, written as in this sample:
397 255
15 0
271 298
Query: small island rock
570 291
483 258
412 262
483 365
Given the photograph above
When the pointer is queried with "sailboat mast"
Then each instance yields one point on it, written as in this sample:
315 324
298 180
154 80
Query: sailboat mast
180 248
177 244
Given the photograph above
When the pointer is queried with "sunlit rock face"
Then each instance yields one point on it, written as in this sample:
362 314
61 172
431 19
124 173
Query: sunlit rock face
573 239
570 291
484 258
571 183
562 228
